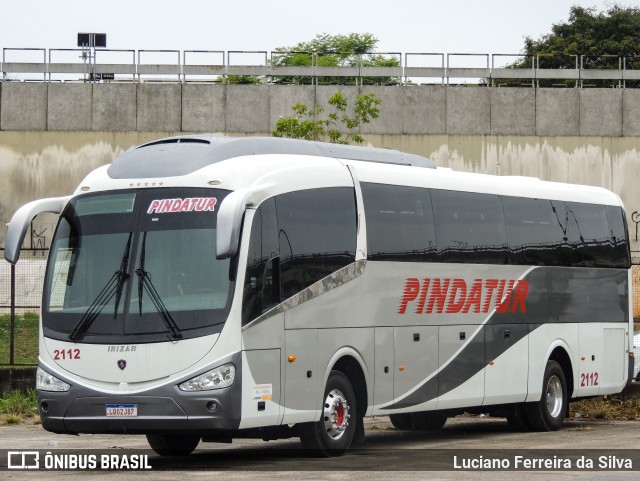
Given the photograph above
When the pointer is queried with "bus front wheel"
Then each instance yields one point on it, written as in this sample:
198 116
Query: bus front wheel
548 413
173 444
333 433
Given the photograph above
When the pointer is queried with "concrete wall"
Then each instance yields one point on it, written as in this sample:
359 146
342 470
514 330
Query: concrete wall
44 164
409 110
52 134
17 378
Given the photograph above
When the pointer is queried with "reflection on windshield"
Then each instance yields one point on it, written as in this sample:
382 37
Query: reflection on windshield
112 289
143 277
183 279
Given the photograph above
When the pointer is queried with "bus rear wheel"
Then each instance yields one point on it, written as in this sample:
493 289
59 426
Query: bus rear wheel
420 421
428 421
401 421
548 413
173 444
333 433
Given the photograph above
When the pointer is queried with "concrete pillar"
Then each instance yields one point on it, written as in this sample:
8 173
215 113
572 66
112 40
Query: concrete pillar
513 111
557 111
69 106
159 107
247 108
114 107
24 106
601 112
425 110
468 110
203 107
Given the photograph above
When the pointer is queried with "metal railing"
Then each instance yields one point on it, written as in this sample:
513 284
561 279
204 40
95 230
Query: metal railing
41 64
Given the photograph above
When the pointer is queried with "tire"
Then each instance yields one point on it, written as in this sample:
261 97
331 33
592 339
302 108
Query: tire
401 421
548 413
173 444
428 421
333 433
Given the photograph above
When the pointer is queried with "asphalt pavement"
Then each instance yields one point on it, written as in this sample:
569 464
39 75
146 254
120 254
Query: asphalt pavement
466 448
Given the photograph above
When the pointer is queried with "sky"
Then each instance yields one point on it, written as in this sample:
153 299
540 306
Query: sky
407 26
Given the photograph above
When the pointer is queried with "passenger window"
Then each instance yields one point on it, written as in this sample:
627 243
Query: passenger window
589 235
620 257
261 285
470 227
316 233
537 231
399 223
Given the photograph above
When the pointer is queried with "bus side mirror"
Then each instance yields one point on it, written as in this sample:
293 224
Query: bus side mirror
22 219
229 224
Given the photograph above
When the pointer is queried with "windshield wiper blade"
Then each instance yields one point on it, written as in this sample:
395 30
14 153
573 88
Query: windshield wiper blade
145 284
113 287
122 275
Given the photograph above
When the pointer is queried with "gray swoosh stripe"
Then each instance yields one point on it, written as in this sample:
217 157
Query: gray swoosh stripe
556 295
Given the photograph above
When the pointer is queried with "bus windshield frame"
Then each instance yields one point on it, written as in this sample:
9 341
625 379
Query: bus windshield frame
137 266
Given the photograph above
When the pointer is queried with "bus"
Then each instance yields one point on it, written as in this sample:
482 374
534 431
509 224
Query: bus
206 288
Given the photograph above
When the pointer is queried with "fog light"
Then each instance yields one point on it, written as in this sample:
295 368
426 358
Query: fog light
212 406
44 407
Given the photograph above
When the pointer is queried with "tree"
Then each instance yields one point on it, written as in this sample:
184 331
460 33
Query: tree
325 50
307 125
601 38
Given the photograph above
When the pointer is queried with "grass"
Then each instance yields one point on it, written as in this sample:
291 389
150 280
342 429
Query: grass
25 339
607 408
19 406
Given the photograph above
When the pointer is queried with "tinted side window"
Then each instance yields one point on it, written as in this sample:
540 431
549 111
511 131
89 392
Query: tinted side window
620 257
317 235
589 237
537 230
399 223
259 284
469 227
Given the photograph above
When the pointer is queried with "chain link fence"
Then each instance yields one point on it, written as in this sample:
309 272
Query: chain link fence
20 297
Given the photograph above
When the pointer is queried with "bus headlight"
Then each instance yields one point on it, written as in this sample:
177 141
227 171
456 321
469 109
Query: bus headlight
47 382
222 376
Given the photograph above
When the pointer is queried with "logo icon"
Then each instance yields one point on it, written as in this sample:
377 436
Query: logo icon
23 460
122 364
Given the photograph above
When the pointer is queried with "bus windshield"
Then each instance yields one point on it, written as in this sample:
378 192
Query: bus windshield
137 266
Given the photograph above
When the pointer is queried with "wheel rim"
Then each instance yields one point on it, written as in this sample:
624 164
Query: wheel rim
554 396
336 414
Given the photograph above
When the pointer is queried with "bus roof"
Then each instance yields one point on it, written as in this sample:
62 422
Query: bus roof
158 158
275 165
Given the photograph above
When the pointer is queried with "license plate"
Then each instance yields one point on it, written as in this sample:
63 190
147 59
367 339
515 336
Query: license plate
122 410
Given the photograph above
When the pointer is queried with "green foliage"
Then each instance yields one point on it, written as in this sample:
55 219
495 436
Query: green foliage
25 337
240 79
350 50
602 37
589 32
619 407
18 403
339 126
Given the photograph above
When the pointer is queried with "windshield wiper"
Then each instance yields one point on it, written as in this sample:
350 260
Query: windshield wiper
112 288
145 284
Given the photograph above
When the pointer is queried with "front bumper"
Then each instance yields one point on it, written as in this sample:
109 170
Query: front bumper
161 409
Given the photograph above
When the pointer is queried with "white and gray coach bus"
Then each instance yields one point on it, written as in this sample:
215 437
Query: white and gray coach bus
209 288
